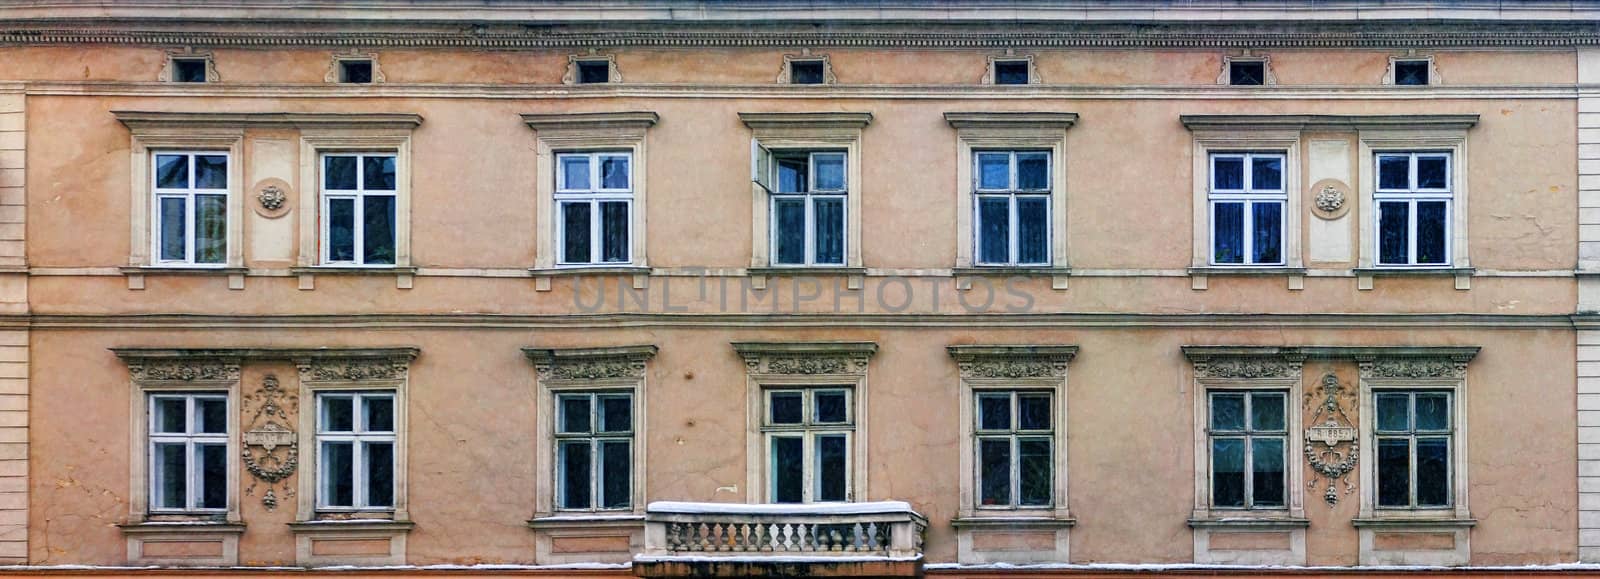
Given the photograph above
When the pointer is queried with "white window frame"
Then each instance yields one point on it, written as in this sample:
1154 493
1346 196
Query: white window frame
810 197
594 438
357 437
808 431
1249 196
795 366
610 369
1445 135
193 481
593 196
819 132
188 194
1411 436
579 133
1229 141
1013 435
218 376
374 370
1411 196
1248 434
357 196
1021 131
1011 193
314 145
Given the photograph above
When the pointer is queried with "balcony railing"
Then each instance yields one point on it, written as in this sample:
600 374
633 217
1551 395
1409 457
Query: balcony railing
888 529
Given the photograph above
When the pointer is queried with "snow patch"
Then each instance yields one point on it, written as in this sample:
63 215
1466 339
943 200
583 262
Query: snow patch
869 508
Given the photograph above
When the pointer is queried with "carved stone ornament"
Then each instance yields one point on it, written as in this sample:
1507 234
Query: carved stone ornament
810 364
272 198
353 54
189 53
1413 368
271 451
354 369
1332 447
1246 367
613 76
1012 361
184 370
1330 199
614 363
597 369
806 55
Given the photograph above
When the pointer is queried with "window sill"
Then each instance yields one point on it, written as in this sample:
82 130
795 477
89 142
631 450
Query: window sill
1012 520
1011 270
354 270
807 270
590 270
1246 270
1383 522
586 520
183 270
1420 271
1249 522
182 527
341 525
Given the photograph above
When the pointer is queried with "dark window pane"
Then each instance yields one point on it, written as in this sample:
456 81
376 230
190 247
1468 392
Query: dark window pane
831 407
337 415
788 469
1033 229
616 471
341 229
614 172
339 172
213 415
575 414
210 228
173 228
1267 474
1394 172
1227 472
1035 468
829 172
1411 72
594 72
994 230
790 219
614 231
1247 73
1433 173
355 71
378 413
792 175
805 72
1431 232
1227 412
575 172
188 70
994 412
378 223
1267 243
380 473
616 413
1433 472
171 415
994 471
1033 412
829 213
210 172
377 173
1266 412
575 232
575 472
831 452
171 472
1228 232
172 171
1227 173
1266 173
213 469
1393 412
787 407
1011 72
338 475
1433 412
994 171
1033 171
1393 237
1394 472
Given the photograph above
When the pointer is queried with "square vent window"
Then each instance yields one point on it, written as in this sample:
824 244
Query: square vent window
594 71
188 70
355 71
1011 72
1411 72
1247 73
805 72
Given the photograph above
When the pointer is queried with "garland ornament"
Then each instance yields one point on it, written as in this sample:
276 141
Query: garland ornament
271 452
1333 429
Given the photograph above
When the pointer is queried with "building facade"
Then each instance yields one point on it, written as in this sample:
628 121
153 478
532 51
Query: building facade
793 287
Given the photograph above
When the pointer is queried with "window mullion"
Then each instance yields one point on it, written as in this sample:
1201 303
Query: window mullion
810 226
1016 247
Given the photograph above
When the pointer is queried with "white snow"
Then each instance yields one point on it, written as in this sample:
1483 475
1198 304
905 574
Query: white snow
766 559
869 508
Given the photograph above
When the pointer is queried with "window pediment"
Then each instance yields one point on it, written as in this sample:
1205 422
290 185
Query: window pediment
1012 361
806 358
590 363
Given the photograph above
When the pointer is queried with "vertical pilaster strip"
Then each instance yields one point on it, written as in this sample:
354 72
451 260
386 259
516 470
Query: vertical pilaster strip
1588 354
13 339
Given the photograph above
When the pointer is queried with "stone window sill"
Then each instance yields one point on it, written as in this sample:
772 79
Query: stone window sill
1226 270
808 270
354 270
1058 275
586 520
182 527
1263 522
1011 520
542 275
1414 522
1419 271
340 525
182 270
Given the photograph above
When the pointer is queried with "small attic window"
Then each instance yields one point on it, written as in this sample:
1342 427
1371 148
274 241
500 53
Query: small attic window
805 72
355 71
1411 72
594 71
1011 72
1247 73
188 70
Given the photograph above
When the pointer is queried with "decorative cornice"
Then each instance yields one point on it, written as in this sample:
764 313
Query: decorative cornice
1448 364
841 120
1008 361
382 369
1374 361
1244 362
590 363
146 120
1304 122
806 358
188 369
627 119
131 353
1011 120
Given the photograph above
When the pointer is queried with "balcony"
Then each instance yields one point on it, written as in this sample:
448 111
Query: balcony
738 540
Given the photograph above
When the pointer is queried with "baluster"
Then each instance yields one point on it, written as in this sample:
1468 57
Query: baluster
746 542
702 537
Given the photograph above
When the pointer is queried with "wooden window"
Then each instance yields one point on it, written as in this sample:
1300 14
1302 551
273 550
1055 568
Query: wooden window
1012 208
188 453
359 209
808 434
1015 446
1247 198
594 199
356 450
1413 195
594 450
190 204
